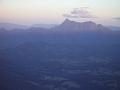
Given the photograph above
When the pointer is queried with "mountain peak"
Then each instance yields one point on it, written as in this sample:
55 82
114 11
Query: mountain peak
68 23
89 22
88 26
67 20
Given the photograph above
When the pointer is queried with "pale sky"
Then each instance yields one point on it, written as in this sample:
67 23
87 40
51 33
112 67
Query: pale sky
55 11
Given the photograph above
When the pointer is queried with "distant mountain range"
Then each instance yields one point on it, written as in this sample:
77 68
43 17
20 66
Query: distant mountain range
47 26
11 26
88 26
66 26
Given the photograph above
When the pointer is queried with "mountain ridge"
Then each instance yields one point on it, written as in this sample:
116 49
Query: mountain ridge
87 26
66 26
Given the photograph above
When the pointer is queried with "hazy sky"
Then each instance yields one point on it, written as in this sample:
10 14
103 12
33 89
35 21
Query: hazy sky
55 11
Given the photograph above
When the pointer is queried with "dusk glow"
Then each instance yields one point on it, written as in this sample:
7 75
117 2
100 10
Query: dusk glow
52 11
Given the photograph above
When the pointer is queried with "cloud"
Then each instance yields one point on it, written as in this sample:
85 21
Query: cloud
70 16
79 13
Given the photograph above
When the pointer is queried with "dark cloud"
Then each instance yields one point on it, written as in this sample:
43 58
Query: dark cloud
79 13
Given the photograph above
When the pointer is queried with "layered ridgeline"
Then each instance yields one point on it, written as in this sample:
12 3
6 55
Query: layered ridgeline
66 26
72 26
11 26
67 32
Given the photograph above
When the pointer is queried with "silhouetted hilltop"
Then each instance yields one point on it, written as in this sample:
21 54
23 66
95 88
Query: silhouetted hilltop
67 26
89 26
